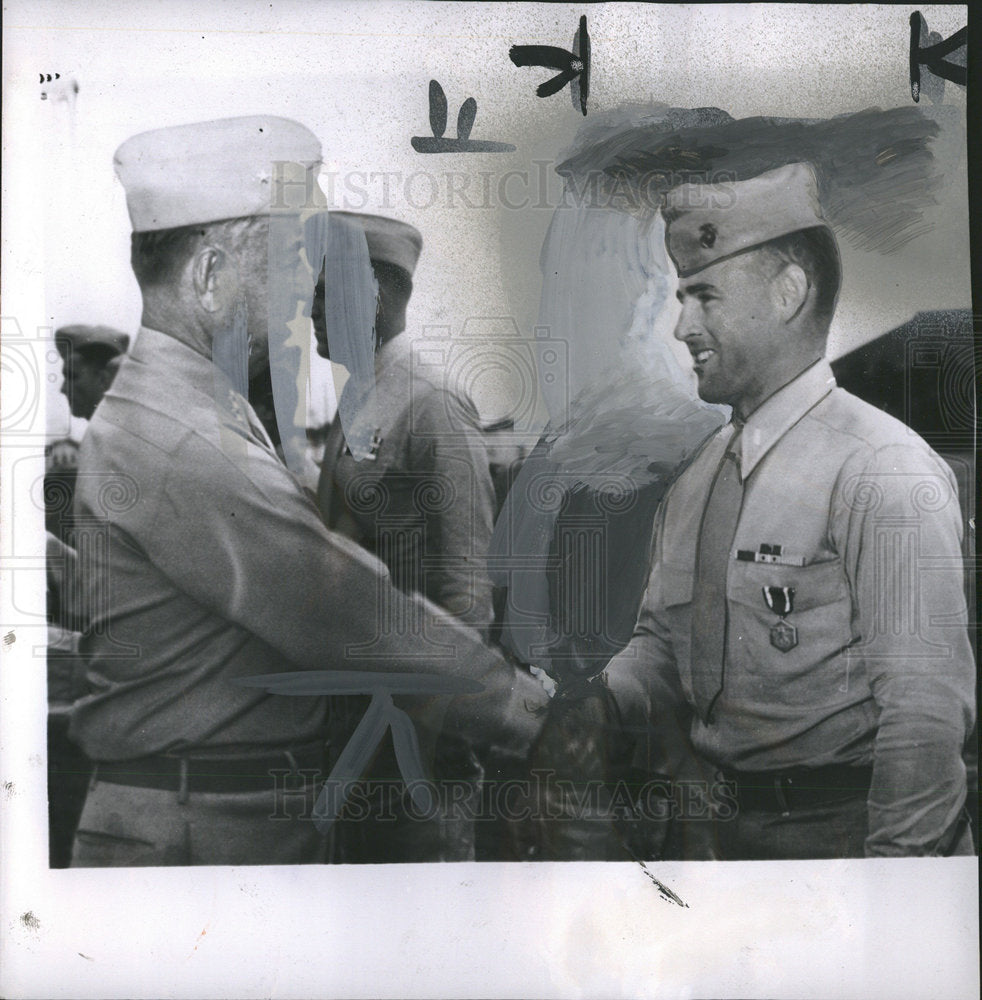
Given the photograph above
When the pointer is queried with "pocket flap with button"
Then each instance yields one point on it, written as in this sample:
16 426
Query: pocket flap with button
815 585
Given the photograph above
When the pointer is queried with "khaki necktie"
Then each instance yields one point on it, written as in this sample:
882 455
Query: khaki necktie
329 497
709 617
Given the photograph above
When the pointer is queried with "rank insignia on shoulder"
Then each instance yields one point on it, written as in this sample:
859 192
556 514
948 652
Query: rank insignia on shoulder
772 554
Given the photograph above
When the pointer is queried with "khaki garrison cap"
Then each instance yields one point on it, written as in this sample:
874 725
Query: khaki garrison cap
76 336
707 222
389 240
225 169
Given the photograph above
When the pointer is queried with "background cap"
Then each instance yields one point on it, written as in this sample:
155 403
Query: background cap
707 222
77 335
389 240
224 169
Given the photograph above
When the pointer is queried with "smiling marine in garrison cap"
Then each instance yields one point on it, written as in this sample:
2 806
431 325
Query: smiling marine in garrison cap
212 565
826 674
709 222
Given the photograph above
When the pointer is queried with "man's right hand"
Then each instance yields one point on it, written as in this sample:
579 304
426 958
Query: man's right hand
656 715
507 715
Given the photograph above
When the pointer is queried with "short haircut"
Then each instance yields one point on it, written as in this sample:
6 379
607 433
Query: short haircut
816 252
157 257
97 355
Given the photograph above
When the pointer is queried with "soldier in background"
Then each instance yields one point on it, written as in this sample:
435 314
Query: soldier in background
428 438
423 501
90 358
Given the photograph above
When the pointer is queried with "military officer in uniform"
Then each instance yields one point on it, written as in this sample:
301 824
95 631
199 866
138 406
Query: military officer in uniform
428 456
210 565
423 500
91 357
805 601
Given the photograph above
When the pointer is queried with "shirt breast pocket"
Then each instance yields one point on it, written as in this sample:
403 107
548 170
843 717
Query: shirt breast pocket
790 647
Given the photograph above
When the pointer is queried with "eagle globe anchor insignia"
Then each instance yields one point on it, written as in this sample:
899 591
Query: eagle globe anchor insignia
784 636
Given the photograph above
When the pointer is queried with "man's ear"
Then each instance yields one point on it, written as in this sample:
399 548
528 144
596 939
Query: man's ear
791 290
108 372
210 275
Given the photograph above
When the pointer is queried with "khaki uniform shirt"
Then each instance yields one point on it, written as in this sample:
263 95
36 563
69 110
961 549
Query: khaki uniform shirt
424 503
202 561
865 518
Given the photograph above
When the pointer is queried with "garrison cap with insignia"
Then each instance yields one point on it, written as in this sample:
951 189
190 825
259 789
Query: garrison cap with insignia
707 222
389 240
77 335
230 168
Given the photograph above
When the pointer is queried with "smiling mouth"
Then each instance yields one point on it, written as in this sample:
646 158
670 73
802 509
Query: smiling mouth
699 358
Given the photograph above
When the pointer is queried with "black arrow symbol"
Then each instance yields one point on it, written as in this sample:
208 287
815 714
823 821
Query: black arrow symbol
549 57
933 56
572 66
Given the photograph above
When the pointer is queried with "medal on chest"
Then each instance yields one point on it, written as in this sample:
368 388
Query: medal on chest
784 636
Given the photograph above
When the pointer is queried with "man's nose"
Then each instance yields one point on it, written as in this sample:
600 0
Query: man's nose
686 325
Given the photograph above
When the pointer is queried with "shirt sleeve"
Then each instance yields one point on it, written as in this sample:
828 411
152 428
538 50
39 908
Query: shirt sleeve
644 679
235 532
901 542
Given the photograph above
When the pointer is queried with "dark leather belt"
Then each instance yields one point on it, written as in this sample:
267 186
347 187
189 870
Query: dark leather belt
798 788
205 774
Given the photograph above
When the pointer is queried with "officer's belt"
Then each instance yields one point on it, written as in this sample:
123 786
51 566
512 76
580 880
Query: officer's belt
209 774
798 788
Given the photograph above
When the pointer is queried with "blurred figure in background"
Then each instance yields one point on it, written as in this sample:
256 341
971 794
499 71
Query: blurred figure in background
427 437
90 357
423 501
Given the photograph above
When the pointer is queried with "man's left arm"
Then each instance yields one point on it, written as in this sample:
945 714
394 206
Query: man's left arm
903 555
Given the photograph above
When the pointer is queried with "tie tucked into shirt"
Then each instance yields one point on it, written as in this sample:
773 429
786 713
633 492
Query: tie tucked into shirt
709 615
